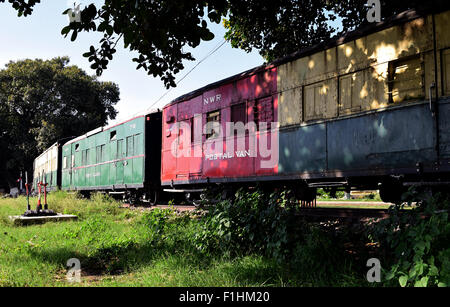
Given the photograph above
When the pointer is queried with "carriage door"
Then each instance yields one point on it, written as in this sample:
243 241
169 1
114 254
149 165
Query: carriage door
119 162
67 167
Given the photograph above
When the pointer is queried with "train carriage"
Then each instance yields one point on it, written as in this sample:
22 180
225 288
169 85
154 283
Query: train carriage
46 168
121 159
369 109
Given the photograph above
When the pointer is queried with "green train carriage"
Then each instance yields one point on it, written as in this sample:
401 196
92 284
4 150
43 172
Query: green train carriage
119 159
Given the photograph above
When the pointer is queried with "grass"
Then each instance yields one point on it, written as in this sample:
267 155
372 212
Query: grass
121 247
323 195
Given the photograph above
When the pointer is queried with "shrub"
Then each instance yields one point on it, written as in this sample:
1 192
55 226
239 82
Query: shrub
158 220
253 222
416 241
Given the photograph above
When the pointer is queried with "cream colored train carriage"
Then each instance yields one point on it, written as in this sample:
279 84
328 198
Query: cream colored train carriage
46 168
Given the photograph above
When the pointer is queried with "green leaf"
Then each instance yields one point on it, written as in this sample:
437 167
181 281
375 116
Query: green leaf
109 30
102 27
208 36
403 280
433 270
390 275
422 282
74 35
412 272
65 30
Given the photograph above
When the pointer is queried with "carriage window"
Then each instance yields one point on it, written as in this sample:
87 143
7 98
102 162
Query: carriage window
119 149
263 112
102 153
315 100
65 163
112 135
406 79
239 114
85 157
130 146
137 144
98 154
213 124
352 93
77 147
170 119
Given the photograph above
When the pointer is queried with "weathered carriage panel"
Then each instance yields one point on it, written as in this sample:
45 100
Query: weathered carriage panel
303 150
397 138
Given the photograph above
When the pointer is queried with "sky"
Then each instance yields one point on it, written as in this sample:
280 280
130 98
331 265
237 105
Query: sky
39 36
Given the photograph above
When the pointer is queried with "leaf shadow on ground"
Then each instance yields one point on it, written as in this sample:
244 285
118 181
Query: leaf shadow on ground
116 259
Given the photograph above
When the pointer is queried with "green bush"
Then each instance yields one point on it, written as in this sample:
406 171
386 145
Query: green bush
157 219
253 222
416 242
266 224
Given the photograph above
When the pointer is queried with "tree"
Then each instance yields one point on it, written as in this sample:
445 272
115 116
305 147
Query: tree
44 101
158 30
278 28
161 30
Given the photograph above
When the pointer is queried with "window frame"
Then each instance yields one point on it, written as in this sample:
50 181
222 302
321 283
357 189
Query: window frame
244 107
391 74
210 118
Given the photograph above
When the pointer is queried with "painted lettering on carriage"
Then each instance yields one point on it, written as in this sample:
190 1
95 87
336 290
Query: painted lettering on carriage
228 155
212 99
93 175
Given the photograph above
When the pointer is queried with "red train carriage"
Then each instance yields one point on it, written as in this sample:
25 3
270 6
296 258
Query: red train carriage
198 145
